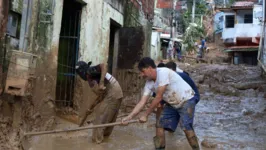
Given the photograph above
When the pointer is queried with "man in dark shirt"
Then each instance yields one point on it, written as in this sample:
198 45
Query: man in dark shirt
105 86
185 76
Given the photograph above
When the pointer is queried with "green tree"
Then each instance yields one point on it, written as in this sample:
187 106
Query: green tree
192 34
193 31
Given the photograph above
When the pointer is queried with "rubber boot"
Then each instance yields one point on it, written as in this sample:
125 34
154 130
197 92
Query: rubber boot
157 143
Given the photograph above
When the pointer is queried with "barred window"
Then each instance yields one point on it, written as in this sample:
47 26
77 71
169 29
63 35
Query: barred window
248 18
230 21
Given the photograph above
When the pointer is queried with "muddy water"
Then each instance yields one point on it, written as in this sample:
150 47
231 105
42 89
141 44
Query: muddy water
134 137
225 122
232 122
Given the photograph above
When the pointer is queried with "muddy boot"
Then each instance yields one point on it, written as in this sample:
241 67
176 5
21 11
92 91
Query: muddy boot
97 135
192 139
157 143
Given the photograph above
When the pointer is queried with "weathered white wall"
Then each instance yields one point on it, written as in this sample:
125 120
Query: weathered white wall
155 52
218 22
17 6
57 20
257 14
240 15
95 30
247 30
228 32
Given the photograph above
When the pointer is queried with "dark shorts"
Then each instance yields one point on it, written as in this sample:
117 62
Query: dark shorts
171 116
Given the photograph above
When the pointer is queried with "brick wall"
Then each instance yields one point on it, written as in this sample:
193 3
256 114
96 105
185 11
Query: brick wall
147 7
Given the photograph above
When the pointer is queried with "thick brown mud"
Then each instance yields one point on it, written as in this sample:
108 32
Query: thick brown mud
230 115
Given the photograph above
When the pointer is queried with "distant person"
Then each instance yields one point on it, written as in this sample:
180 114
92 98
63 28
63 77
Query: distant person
202 47
170 50
178 53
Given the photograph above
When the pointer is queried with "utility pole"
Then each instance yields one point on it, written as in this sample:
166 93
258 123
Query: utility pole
172 18
193 11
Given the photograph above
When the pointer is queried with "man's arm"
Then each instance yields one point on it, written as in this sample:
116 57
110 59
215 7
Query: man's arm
156 101
103 73
137 108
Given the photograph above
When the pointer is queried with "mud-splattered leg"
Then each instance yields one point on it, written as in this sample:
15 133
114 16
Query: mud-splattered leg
192 139
159 139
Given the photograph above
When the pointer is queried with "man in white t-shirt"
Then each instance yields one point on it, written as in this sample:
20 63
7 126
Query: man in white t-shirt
179 98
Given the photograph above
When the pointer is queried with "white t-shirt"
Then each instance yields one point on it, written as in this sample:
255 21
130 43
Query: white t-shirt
177 90
110 78
170 45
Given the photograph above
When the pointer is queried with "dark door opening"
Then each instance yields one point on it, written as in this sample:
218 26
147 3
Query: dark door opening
68 53
114 27
248 58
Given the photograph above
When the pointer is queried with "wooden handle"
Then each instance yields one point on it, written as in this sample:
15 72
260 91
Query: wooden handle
89 111
78 129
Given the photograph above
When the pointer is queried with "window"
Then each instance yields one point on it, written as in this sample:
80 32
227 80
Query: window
229 21
248 18
13 24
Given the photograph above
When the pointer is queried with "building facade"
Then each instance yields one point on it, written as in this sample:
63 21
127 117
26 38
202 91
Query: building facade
58 33
241 31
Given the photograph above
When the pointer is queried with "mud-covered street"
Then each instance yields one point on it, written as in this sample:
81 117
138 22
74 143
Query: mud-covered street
230 115
72 74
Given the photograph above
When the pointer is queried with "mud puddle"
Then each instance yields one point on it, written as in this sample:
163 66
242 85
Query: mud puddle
221 123
132 137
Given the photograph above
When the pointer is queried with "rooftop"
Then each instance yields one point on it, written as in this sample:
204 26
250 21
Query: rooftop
242 5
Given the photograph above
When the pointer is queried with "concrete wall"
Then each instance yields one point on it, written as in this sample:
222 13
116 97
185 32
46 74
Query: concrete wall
218 22
94 44
247 30
116 4
240 15
257 14
17 6
228 33
43 40
156 53
95 30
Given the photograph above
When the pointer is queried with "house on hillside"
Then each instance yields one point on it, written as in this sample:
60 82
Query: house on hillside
241 31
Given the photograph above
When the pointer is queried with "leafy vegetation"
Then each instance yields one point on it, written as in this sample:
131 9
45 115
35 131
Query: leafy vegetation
193 31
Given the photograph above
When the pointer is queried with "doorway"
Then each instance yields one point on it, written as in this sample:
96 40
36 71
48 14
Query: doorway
68 53
114 27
